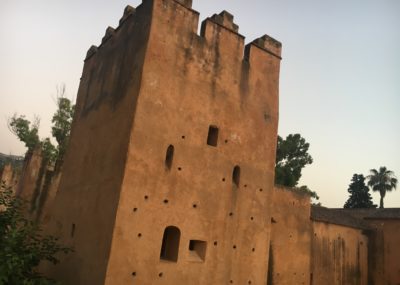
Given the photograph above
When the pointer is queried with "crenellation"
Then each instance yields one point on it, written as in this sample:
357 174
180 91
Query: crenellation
128 11
211 29
170 169
186 3
91 51
225 19
178 15
110 31
156 66
269 44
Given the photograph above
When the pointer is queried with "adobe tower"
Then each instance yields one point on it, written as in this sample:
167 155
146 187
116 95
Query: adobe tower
170 169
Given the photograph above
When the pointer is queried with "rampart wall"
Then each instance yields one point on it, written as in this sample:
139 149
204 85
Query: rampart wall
192 83
384 249
85 207
339 255
9 177
290 248
153 84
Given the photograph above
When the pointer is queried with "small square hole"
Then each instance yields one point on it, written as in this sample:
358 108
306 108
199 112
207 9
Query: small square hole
197 250
212 138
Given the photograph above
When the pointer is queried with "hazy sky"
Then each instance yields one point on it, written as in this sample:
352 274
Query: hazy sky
339 84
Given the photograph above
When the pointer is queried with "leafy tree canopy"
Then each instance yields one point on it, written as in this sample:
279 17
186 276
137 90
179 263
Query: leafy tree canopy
62 121
359 194
291 157
22 245
307 190
382 180
26 131
49 151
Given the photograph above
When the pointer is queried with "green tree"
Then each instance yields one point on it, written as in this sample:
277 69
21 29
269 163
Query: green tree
291 157
22 245
382 180
49 151
62 121
307 190
359 194
26 131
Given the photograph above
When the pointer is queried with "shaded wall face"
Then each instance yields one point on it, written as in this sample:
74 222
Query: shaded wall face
84 209
47 196
385 252
190 83
339 255
9 177
290 239
34 183
391 233
31 177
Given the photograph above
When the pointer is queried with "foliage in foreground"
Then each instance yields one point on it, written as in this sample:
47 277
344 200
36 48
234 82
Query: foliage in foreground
22 245
359 194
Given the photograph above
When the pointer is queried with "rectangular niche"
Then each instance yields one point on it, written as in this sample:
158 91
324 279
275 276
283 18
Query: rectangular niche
197 250
212 138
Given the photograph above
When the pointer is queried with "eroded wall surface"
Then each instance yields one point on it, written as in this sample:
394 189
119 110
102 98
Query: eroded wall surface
290 238
47 195
190 83
31 177
83 213
9 177
385 252
155 84
339 255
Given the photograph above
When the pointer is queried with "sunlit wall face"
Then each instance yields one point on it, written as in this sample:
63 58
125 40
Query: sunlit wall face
339 84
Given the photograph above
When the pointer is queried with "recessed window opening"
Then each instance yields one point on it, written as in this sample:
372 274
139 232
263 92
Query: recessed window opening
197 250
169 157
236 176
72 230
170 244
212 138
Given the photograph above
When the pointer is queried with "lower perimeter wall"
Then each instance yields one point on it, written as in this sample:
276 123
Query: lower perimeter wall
289 260
9 177
384 259
339 255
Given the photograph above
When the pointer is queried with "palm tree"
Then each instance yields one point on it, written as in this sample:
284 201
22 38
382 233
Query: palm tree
382 181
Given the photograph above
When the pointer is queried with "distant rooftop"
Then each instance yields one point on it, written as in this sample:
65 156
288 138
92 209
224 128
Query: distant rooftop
353 217
389 213
338 217
11 156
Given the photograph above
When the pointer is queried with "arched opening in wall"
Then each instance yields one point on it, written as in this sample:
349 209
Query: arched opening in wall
169 157
236 176
212 138
170 244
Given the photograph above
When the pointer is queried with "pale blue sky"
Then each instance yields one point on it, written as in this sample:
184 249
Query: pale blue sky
340 73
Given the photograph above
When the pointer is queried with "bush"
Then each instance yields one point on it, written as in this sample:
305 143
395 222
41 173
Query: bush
22 245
